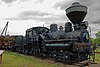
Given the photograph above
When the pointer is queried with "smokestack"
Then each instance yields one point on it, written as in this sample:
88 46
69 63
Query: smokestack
76 13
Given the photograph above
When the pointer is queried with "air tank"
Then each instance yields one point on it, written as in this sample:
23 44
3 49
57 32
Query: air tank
53 27
76 13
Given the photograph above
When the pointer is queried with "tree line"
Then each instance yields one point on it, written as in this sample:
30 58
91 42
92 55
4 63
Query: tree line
96 40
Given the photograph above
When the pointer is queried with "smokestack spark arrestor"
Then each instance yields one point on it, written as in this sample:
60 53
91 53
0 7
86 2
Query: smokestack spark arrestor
76 13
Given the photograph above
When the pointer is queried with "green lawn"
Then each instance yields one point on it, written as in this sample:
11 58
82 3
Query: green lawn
98 55
98 49
11 59
97 58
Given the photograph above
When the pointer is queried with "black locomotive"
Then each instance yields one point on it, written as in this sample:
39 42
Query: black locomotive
70 43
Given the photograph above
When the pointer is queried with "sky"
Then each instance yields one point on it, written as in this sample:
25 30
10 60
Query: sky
24 14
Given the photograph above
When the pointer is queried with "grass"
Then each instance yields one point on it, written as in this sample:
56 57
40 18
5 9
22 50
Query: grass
11 59
97 59
98 49
97 56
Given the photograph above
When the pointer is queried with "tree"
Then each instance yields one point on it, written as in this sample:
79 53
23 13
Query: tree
97 39
92 40
97 34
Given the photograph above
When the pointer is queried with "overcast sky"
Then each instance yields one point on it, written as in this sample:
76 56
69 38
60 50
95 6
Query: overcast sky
23 14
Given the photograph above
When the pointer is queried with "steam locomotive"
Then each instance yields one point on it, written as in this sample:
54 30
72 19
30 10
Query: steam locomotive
70 43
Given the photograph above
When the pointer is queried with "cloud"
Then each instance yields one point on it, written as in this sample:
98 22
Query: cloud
63 4
33 13
86 2
94 28
39 1
8 1
37 15
24 0
96 21
11 1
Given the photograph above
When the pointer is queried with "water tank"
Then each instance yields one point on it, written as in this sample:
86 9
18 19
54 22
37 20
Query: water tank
53 27
76 13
